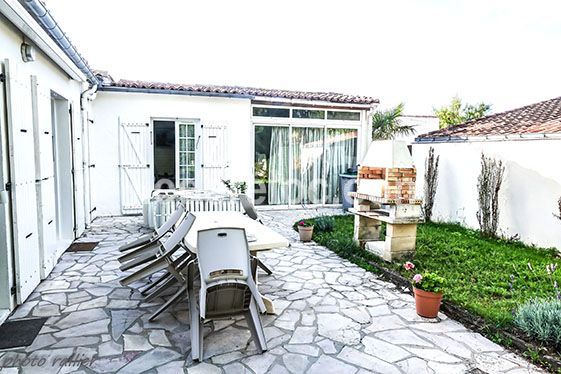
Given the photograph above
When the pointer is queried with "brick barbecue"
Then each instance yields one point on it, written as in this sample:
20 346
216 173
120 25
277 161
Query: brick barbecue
386 193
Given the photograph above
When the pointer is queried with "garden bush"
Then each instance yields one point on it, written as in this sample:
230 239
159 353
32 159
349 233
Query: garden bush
324 224
541 319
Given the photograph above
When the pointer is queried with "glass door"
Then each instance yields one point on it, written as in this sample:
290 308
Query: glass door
307 167
185 155
296 165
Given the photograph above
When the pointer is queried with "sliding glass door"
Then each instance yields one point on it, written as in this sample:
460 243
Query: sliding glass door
271 165
301 165
340 155
307 166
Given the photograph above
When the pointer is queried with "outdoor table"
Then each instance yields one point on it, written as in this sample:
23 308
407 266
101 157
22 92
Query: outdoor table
260 237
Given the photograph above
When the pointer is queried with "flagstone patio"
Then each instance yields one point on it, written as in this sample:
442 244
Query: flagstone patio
333 317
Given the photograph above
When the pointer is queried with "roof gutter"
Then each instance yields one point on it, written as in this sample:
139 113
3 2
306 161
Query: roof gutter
488 138
47 22
22 20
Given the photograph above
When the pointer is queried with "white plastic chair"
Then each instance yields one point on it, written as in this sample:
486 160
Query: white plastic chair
162 256
147 252
159 233
227 285
250 211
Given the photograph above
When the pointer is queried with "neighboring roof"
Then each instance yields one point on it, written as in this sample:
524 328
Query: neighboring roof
213 90
540 118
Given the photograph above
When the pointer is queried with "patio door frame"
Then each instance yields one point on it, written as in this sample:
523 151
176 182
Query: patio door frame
292 123
198 149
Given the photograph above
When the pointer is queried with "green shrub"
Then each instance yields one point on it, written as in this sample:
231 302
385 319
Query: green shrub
541 319
324 224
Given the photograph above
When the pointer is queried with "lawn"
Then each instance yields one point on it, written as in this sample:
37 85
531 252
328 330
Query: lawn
488 277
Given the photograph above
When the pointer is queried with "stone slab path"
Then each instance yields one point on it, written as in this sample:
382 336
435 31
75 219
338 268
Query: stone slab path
333 317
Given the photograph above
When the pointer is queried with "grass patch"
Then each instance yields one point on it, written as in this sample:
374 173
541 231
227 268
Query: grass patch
488 277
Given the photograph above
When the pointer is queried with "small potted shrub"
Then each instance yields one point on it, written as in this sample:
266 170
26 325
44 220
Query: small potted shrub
427 288
305 229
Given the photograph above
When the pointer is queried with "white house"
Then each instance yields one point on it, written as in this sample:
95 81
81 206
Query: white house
44 175
75 144
289 146
528 141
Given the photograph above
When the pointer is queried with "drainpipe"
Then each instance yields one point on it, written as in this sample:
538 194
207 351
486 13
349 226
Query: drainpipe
44 18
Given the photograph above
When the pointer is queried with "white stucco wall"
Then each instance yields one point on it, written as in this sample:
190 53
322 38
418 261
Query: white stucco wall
36 244
528 197
235 113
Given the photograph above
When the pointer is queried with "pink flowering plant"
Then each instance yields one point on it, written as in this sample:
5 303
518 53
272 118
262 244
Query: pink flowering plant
429 282
304 223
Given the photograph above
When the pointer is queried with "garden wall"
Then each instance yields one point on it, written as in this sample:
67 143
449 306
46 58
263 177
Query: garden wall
530 191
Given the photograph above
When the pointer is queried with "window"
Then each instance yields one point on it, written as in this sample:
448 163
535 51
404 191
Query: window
344 116
271 112
306 113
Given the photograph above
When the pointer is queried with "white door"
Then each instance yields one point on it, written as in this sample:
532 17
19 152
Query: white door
215 158
134 166
22 177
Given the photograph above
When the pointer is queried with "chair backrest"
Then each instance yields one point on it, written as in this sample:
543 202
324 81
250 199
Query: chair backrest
222 254
248 206
172 220
180 232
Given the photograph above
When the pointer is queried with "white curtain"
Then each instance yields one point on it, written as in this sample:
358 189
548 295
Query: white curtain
306 171
340 155
278 166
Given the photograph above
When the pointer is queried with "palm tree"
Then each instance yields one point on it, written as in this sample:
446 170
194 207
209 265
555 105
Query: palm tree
386 124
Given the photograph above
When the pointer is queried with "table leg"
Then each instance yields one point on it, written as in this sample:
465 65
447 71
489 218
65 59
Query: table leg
270 308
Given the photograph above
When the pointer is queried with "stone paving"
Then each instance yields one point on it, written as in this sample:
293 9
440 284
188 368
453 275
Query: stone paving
332 317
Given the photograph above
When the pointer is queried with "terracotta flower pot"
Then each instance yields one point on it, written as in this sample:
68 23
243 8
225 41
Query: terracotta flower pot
305 233
427 303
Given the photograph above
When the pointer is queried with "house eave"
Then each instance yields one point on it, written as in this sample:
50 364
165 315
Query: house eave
172 92
253 98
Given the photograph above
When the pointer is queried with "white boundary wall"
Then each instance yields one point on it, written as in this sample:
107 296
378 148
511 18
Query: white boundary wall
528 197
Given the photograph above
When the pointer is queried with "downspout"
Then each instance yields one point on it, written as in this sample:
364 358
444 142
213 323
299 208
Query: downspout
44 18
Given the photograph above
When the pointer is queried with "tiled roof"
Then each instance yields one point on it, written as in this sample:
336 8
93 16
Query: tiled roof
540 118
244 91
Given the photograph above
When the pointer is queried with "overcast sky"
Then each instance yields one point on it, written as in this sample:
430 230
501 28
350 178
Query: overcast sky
506 53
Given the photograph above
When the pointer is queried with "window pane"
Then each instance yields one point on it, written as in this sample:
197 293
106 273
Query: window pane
307 165
271 165
191 131
271 112
345 116
340 154
305 113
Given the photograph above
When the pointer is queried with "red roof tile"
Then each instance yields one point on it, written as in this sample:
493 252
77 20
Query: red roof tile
245 91
540 118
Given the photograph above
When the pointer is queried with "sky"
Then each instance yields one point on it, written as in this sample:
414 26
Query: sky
422 53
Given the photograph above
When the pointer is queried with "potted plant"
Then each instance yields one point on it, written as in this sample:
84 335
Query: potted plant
428 288
305 229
